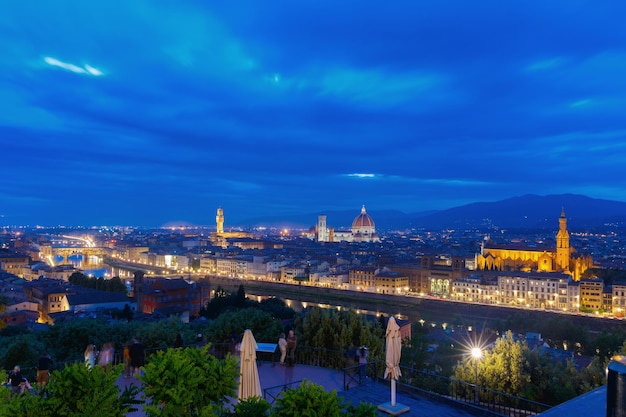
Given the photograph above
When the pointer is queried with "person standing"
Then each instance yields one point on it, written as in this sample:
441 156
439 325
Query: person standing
44 366
137 356
178 343
282 345
105 358
126 356
90 356
291 348
363 356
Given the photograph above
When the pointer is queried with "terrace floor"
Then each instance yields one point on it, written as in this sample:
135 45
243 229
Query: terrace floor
273 377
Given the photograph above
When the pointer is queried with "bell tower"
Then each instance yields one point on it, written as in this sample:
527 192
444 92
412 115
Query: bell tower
219 220
562 244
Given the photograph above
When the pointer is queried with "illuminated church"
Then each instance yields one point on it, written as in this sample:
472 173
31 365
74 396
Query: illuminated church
363 230
562 258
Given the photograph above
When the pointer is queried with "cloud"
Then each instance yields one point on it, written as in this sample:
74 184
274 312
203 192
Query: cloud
86 69
361 175
378 88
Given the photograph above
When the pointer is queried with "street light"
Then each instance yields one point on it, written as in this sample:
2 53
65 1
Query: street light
477 354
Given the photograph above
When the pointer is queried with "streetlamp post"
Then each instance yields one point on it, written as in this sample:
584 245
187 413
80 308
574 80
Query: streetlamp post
477 353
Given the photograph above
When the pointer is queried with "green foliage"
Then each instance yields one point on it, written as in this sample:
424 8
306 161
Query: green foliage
114 284
252 407
501 368
445 359
26 405
188 382
608 275
160 334
608 343
223 301
23 350
277 308
240 298
340 330
311 400
512 368
362 410
125 314
67 341
77 391
415 350
558 331
264 327
308 400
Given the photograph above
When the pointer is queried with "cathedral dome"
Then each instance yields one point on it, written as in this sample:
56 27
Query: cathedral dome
363 223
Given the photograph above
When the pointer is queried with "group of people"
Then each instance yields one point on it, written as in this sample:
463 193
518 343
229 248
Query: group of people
287 347
104 357
19 383
133 355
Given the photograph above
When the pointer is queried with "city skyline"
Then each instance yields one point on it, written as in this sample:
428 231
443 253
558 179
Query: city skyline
143 114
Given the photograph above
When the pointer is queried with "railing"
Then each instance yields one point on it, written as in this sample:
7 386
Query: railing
428 383
272 393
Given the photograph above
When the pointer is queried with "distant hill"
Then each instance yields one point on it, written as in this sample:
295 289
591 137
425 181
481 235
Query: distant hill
527 211
532 211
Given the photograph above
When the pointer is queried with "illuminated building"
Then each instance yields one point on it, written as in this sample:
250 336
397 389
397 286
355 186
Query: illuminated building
220 237
363 230
563 258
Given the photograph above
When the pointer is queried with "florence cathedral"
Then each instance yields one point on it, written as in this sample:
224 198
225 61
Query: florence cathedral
363 230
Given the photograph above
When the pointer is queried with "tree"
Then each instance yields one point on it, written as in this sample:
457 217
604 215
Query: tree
23 350
501 368
415 352
608 343
219 303
188 381
114 284
340 330
240 298
277 308
263 325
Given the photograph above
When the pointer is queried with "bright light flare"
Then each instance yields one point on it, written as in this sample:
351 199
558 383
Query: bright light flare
477 353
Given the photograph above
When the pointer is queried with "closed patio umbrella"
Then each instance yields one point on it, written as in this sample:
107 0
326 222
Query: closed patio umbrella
249 384
393 346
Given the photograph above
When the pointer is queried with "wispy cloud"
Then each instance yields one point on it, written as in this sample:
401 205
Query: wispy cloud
86 69
362 175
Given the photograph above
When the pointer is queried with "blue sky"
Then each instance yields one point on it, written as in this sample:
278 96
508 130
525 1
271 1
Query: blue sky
150 112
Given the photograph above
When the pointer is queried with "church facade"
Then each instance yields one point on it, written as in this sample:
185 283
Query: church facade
562 258
363 230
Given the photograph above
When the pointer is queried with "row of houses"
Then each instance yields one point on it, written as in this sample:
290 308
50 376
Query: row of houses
541 290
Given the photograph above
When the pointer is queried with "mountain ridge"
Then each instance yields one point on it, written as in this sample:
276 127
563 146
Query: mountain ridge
525 211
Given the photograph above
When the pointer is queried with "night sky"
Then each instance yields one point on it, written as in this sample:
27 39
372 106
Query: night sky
152 112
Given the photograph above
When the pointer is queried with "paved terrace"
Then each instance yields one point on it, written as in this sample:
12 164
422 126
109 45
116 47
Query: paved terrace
274 378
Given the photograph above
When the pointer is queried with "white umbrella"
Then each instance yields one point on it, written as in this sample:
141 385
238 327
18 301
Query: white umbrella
249 384
392 357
